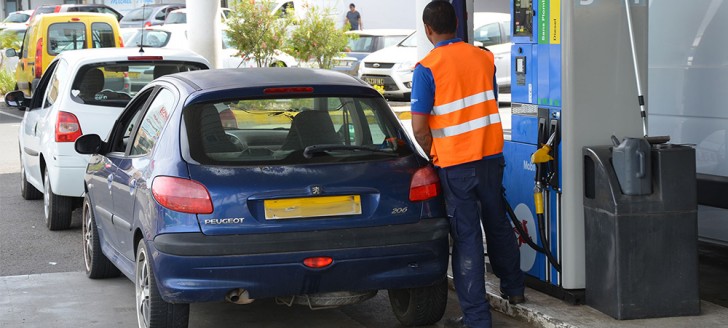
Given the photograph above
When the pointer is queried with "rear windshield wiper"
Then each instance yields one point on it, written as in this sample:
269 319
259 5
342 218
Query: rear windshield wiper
310 150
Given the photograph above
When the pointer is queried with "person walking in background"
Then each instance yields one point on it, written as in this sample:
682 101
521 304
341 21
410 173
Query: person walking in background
455 118
353 18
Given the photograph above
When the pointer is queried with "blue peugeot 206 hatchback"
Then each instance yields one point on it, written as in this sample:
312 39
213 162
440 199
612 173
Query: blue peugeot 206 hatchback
288 183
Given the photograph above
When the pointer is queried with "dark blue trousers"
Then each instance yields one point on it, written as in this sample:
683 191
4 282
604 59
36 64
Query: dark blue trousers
473 195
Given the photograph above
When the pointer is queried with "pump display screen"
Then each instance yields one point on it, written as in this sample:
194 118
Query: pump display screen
523 18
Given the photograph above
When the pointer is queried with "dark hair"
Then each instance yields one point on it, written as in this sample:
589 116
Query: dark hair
352 5
440 16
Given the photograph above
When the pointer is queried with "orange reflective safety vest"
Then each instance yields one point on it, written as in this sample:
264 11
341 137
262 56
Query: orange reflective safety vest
464 120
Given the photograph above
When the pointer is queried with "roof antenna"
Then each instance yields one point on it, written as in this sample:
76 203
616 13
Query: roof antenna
141 43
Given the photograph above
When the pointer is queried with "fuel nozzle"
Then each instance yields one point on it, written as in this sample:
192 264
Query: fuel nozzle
542 155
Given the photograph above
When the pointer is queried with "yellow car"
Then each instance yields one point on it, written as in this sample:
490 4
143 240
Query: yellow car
50 34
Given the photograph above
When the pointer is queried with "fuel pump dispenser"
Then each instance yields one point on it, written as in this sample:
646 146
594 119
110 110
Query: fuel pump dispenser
572 85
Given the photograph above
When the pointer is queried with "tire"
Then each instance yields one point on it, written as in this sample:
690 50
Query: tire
152 311
27 191
57 209
98 265
419 306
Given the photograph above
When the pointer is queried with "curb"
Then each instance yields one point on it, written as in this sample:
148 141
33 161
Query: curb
525 312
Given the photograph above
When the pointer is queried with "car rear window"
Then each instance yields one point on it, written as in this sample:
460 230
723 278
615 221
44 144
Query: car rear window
102 35
115 83
150 38
293 131
17 18
139 14
176 18
66 36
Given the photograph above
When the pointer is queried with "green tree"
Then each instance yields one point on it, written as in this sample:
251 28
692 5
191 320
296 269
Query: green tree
255 31
316 37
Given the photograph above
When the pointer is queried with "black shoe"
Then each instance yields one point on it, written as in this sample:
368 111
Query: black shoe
514 299
455 323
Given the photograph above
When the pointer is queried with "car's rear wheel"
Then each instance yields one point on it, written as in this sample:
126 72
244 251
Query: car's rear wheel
57 209
27 191
419 306
152 311
98 265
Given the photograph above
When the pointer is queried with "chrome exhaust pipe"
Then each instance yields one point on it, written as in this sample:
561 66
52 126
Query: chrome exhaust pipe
238 296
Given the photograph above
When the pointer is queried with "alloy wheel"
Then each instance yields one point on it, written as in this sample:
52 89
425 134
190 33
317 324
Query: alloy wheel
142 290
88 238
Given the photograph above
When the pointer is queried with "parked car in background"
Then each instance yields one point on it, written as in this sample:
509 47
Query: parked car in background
175 36
148 15
14 38
493 32
17 19
82 91
392 67
83 8
364 42
179 16
49 35
314 196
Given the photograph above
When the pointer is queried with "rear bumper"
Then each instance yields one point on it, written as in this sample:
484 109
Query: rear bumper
193 268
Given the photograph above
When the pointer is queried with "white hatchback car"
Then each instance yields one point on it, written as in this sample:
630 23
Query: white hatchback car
392 67
81 92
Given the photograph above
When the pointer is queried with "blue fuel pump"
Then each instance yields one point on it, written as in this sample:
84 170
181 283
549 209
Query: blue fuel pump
572 85
534 183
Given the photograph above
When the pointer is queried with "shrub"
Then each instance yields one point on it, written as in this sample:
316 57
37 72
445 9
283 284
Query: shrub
7 81
316 37
257 32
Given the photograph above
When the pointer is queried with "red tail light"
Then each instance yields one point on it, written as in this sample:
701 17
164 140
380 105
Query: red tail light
147 24
425 184
228 119
67 127
57 9
182 195
318 262
121 42
38 66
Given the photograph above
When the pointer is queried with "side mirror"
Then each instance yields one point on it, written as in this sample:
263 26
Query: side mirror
10 52
88 144
17 99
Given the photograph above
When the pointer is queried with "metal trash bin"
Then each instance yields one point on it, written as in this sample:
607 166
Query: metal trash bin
641 250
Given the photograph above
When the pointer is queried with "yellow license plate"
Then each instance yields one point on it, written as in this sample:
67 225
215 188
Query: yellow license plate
291 208
375 81
134 75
